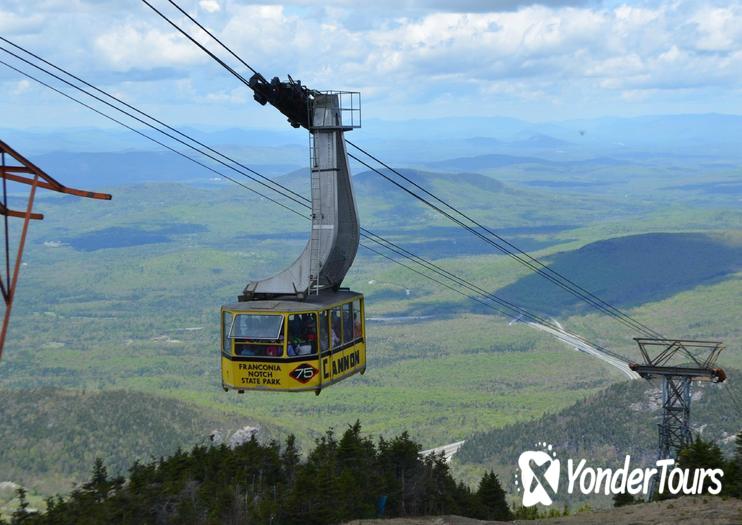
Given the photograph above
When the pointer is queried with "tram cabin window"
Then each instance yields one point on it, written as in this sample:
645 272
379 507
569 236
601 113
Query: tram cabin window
258 335
226 327
347 322
324 332
357 319
336 327
302 335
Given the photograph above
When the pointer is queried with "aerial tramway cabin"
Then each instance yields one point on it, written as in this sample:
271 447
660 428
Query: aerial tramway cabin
298 330
293 346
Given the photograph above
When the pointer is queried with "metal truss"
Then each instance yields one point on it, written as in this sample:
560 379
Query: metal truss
20 180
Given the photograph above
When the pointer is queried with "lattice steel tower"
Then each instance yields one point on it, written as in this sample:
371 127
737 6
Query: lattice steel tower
696 362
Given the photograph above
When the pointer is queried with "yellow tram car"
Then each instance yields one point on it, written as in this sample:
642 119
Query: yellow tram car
293 346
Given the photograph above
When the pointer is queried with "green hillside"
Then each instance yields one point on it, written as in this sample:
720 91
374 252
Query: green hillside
604 428
51 437
631 270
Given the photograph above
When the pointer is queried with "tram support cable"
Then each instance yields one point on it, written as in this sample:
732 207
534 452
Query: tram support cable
529 261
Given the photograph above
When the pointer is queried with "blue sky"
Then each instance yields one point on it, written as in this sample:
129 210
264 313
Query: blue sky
409 58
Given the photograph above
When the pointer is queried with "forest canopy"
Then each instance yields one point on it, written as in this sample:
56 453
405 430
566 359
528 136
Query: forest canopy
341 479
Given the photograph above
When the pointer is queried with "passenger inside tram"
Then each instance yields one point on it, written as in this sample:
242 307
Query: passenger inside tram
302 335
324 335
335 327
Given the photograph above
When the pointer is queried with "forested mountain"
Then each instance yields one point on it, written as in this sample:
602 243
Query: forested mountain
620 420
632 270
50 437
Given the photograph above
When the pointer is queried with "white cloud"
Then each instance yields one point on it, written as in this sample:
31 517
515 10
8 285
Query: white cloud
237 95
405 52
21 87
210 6
719 29
15 24
127 46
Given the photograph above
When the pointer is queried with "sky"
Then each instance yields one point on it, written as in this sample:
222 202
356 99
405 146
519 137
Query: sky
537 61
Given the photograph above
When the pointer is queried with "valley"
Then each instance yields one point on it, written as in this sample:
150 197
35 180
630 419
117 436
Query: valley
118 307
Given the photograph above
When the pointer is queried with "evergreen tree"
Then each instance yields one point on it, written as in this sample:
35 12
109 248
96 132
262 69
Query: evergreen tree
491 498
701 454
329 505
357 461
733 471
99 484
290 459
21 514
399 459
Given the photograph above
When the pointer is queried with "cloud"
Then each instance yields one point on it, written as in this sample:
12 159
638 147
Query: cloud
210 6
457 6
138 74
606 48
474 6
21 87
129 47
718 29
15 24
237 96
413 52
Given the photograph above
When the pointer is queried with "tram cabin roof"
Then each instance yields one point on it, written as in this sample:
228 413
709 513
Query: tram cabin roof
290 304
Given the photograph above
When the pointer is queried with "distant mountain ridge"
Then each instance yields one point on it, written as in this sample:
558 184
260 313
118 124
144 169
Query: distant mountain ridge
92 169
453 136
483 162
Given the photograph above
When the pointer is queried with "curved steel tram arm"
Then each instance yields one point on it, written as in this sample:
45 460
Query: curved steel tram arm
335 233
